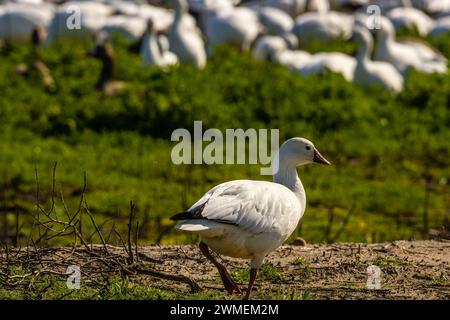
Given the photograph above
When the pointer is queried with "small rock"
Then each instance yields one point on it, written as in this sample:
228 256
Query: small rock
299 242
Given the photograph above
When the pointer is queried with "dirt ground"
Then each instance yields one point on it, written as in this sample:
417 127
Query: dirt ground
409 270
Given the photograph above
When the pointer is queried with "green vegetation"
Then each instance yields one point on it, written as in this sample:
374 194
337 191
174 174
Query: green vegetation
390 155
118 289
382 262
267 272
299 261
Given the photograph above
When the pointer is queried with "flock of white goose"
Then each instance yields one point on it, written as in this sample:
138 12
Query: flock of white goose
186 31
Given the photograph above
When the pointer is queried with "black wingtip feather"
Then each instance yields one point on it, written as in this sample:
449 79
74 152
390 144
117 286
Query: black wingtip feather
181 216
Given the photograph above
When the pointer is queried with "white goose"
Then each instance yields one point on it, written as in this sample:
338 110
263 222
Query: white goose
435 8
291 7
368 72
92 15
247 218
336 62
410 18
162 18
323 26
130 28
154 50
185 38
124 7
407 53
17 21
273 48
235 26
275 21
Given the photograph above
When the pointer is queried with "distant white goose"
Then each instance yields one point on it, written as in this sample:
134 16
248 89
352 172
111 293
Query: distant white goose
169 57
92 17
17 21
406 54
336 62
296 7
130 28
267 47
185 38
368 72
411 18
273 48
235 26
435 8
124 7
318 5
247 218
152 52
275 21
291 7
323 26
162 18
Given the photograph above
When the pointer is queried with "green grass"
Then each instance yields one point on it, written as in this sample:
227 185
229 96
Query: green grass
382 262
267 272
118 289
383 148
299 261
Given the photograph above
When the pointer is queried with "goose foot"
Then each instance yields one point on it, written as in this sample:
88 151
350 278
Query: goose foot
228 282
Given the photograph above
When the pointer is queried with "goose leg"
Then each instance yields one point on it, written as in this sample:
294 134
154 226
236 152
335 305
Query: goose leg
253 273
228 282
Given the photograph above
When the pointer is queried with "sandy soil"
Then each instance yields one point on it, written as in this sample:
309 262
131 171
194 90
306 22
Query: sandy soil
409 270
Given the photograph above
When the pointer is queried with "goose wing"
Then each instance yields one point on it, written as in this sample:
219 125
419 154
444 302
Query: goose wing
255 206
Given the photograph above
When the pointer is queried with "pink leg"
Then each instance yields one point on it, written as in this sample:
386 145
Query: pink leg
253 273
228 282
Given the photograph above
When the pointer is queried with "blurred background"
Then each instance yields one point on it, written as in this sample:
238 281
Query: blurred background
99 86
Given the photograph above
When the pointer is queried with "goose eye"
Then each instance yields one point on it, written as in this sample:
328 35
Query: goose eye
307 147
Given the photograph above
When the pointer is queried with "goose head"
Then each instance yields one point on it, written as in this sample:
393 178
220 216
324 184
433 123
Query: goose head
361 35
150 26
386 30
363 38
291 40
300 151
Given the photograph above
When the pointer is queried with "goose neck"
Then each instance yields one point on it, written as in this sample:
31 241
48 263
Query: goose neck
287 176
179 11
364 51
386 36
406 3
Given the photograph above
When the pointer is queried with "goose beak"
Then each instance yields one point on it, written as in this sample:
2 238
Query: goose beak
318 158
